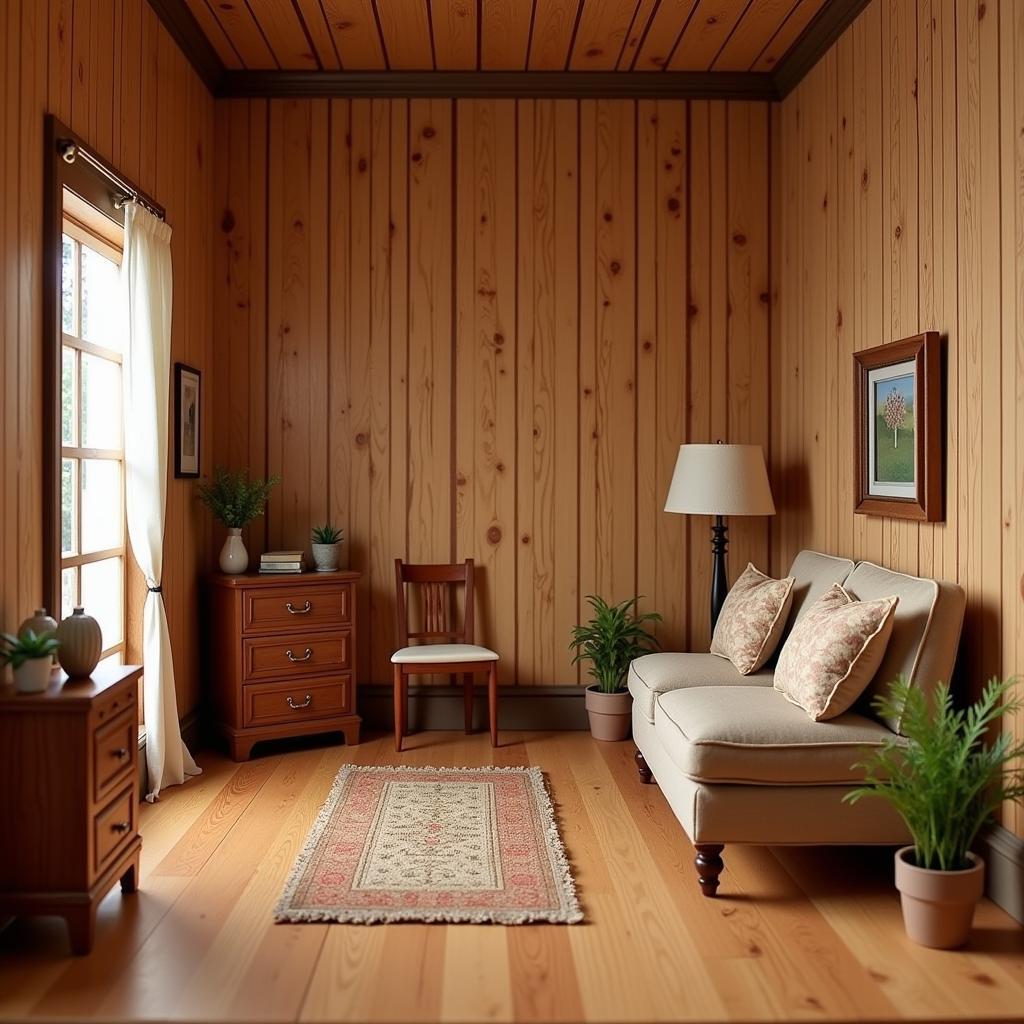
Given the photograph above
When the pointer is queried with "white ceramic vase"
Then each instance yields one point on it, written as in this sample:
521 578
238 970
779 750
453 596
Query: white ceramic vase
81 642
325 557
33 676
234 559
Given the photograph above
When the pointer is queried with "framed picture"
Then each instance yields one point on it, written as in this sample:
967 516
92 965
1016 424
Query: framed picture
897 400
186 420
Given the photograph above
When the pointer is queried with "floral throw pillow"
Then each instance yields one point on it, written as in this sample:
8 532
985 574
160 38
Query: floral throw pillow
834 652
752 620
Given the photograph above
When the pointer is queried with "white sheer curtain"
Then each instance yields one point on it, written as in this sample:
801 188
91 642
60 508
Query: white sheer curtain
146 282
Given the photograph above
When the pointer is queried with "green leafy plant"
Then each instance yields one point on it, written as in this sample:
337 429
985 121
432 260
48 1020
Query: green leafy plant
235 499
612 639
16 650
327 534
946 781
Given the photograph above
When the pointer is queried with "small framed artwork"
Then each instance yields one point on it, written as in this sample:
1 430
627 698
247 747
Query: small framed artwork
897 400
186 420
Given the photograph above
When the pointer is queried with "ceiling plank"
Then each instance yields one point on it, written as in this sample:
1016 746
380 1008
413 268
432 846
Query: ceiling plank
760 22
353 26
790 30
406 30
215 34
666 27
705 35
553 25
241 28
286 35
455 32
635 36
505 34
315 21
601 34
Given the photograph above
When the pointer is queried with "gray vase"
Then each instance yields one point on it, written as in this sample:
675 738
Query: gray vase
325 557
81 643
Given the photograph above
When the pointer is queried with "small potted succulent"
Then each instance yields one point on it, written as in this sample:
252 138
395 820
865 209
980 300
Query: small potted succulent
234 499
610 641
945 781
30 656
327 547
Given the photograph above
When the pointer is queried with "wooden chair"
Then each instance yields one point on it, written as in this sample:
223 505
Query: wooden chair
440 646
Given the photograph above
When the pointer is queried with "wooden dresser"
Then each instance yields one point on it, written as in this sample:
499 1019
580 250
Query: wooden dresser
69 796
282 652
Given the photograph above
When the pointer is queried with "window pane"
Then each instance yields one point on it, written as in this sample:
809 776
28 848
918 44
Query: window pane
100 300
67 285
68 592
69 507
101 402
102 514
101 597
67 396
117 658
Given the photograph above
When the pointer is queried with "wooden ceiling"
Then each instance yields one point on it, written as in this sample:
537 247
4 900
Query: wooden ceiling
503 35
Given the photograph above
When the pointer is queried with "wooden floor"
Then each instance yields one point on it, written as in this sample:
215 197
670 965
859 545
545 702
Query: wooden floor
797 934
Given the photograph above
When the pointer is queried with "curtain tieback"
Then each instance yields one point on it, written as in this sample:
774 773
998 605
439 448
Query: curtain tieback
155 590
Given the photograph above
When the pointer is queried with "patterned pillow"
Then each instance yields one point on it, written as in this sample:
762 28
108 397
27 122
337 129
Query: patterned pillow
834 652
752 619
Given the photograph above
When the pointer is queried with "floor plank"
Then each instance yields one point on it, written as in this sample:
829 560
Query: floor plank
797 933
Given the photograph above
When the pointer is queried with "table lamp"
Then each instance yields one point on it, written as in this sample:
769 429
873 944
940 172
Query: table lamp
720 480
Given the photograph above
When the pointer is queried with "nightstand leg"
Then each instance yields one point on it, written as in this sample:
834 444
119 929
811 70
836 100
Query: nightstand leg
81 928
130 879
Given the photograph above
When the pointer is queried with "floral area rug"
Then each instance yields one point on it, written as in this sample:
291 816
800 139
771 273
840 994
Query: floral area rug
433 844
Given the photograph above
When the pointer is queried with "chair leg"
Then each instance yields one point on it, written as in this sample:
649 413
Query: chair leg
492 701
467 700
400 706
709 866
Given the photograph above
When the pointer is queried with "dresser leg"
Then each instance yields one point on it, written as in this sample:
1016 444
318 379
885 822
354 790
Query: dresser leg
241 748
130 879
351 734
81 928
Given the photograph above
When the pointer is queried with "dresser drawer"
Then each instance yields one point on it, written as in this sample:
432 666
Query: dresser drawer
112 752
275 703
113 826
299 654
296 607
114 702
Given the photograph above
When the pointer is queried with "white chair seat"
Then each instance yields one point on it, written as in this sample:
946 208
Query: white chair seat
437 653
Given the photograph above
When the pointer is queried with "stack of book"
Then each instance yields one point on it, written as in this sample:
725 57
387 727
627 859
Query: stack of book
282 562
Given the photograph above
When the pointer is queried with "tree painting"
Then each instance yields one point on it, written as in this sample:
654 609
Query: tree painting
894 429
894 411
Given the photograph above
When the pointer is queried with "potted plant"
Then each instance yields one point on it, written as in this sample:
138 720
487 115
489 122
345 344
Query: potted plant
610 641
235 500
30 655
326 547
945 781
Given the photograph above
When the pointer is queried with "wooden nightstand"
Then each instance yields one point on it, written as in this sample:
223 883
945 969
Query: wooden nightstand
282 652
69 802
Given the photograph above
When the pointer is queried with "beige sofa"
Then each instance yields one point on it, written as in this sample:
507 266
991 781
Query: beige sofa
738 763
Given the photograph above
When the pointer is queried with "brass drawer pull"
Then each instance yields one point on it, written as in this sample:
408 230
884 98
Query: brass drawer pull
305 657
121 753
120 826
304 610
297 707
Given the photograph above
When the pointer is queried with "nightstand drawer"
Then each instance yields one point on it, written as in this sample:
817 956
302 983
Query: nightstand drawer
300 654
296 607
274 703
113 826
113 745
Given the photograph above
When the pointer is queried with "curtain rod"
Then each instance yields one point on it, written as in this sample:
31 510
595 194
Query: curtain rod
126 193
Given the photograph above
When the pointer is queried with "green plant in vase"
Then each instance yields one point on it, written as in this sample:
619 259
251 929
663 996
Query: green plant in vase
326 547
30 656
235 500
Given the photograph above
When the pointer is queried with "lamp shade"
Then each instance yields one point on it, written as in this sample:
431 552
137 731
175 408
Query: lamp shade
720 480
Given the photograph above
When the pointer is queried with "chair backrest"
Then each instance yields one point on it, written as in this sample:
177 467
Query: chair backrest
436 585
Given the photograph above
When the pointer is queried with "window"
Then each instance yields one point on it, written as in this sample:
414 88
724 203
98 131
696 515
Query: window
92 507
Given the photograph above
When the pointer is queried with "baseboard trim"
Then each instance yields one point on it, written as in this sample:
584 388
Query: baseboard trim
440 707
1004 869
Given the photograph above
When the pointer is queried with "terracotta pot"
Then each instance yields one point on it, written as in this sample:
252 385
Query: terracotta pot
33 676
938 906
81 642
40 623
325 557
234 559
609 714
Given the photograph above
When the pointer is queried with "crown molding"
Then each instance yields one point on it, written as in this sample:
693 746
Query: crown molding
183 28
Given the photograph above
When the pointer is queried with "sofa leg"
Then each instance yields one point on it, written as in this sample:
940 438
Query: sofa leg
709 866
641 766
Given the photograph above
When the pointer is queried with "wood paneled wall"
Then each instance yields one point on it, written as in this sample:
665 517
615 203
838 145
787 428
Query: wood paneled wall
898 207
482 328
109 70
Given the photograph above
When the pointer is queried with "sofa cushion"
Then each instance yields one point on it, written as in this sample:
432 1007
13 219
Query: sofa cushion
654 674
925 632
752 619
833 652
813 574
753 735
